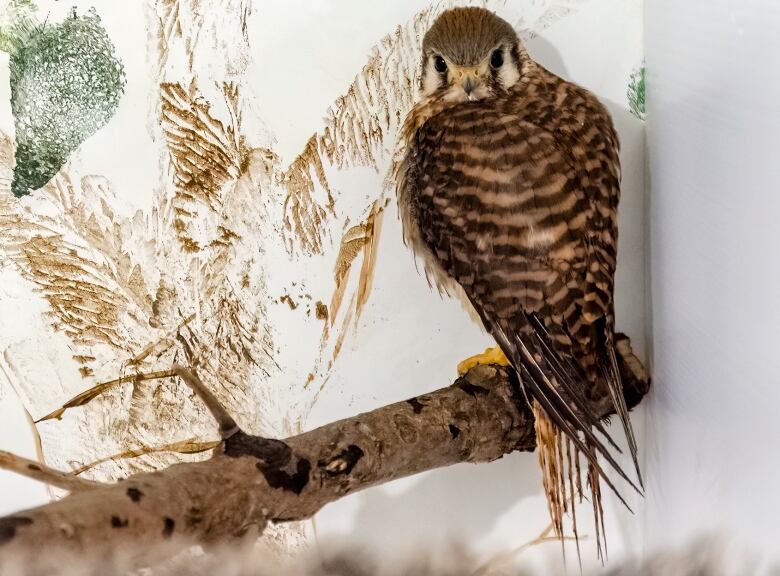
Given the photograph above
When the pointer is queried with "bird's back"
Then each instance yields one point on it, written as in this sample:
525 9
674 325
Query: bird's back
515 198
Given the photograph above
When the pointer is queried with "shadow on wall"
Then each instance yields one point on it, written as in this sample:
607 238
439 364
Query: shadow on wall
462 503
543 52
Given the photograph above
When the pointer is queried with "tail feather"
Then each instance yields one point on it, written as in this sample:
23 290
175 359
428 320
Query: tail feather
562 481
594 485
565 417
574 421
615 385
563 376
555 385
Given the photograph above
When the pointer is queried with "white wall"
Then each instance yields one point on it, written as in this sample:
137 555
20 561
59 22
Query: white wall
713 124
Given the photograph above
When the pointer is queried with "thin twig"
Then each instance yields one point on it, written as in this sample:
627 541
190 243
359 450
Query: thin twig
42 473
506 556
7 369
191 446
98 389
227 426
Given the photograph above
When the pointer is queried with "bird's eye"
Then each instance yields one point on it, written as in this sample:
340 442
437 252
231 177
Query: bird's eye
497 58
439 64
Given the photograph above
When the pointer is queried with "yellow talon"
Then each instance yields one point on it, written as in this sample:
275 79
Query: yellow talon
490 356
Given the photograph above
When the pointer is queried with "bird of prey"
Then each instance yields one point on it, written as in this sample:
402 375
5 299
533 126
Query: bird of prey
508 188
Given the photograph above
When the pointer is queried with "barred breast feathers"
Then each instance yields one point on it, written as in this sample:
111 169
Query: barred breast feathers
435 274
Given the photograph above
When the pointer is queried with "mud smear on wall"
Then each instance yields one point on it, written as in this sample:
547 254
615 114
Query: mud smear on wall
133 293
191 32
304 218
359 131
204 154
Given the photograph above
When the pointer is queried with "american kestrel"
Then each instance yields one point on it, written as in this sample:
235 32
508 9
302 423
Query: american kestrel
508 192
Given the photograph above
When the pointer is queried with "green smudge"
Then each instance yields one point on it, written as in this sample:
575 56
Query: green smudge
66 84
636 92
17 22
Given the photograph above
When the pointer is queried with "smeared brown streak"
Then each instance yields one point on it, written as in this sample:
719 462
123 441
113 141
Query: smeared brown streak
189 30
351 244
84 304
370 250
90 283
204 153
361 238
342 331
156 346
356 131
302 216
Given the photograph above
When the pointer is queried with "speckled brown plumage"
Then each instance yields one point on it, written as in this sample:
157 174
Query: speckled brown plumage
511 201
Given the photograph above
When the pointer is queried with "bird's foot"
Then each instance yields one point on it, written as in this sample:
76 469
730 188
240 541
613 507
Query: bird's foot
490 356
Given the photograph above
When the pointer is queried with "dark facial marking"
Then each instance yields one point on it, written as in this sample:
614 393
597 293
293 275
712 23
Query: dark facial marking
117 522
514 54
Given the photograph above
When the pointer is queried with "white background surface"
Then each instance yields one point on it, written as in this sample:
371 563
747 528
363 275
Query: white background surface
714 116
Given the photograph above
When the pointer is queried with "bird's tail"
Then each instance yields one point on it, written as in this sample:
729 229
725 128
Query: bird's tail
559 457
553 385
562 480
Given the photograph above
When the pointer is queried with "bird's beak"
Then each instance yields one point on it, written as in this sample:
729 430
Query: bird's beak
468 84
469 78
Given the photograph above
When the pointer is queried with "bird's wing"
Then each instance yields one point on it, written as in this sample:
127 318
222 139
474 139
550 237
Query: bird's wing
523 218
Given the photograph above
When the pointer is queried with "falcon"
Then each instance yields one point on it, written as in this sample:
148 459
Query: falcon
508 185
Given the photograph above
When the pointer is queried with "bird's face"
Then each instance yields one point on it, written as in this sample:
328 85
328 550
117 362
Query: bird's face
469 54
495 72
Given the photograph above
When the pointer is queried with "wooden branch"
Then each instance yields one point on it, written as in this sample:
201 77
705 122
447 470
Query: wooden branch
251 481
227 426
36 471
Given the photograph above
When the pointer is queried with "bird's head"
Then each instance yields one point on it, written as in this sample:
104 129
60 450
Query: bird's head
469 54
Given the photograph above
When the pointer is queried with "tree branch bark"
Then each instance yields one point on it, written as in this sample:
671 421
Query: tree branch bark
251 481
